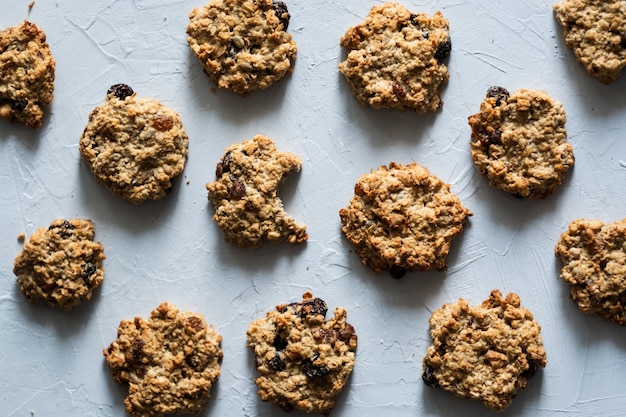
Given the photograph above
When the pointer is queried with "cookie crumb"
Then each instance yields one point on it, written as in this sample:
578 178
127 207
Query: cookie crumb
31 5
21 237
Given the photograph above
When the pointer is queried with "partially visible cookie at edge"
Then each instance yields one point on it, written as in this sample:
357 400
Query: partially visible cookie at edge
243 46
170 362
595 30
396 58
402 218
134 146
519 142
245 196
60 266
593 256
486 352
27 73
303 360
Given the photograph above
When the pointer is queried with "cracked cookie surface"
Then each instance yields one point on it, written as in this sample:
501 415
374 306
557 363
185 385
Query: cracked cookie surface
134 146
485 352
27 73
396 58
520 143
402 218
242 45
593 256
596 31
245 194
62 265
303 359
169 361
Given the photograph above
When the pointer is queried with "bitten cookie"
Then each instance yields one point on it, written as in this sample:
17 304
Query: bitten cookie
26 74
60 266
303 360
242 44
169 361
593 254
520 143
596 31
134 146
486 352
245 194
396 59
402 218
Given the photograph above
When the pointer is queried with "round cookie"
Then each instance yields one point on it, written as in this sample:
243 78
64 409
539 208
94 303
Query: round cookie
60 266
593 255
402 218
485 352
134 146
169 361
396 59
242 44
245 194
303 360
596 31
26 74
520 143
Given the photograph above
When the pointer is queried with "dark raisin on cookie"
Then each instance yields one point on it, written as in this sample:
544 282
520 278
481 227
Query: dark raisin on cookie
443 50
276 363
429 378
314 371
120 91
238 189
397 272
18 105
280 9
499 93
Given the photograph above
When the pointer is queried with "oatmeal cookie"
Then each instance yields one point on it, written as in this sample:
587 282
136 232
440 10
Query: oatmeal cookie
242 44
245 194
485 352
26 74
61 265
593 254
303 359
169 361
520 143
596 31
402 218
396 59
134 146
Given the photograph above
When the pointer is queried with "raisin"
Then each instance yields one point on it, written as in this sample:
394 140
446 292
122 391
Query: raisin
429 378
500 93
120 91
313 307
347 333
238 189
314 371
195 323
280 9
223 166
276 363
65 229
136 350
18 105
397 271
279 343
414 19
491 138
328 336
443 51
88 270
531 371
398 89
162 123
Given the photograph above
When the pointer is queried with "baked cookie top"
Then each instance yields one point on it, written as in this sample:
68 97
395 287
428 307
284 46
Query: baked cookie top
60 266
593 254
520 143
134 146
402 218
396 58
242 44
26 74
245 194
303 359
596 31
485 352
169 361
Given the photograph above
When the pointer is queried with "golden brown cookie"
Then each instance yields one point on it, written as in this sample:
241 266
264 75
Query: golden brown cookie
303 359
169 361
26 74
60 266
486 352
520 143
402 218
593 254
134 146
245 194
242 44
396 59
596 31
